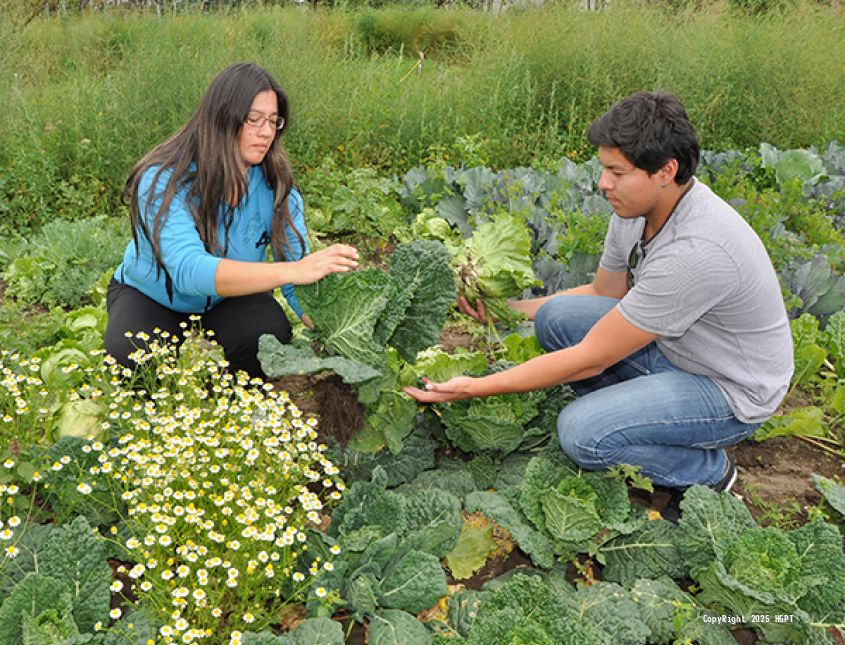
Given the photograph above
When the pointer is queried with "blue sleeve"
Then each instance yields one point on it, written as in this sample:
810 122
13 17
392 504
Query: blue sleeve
297 214
187 262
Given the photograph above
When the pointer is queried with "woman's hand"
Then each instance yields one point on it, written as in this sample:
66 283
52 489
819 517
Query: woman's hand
452 390
337 258
306 320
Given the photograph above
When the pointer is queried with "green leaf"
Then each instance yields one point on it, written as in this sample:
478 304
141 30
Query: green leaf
360 596
463 609
31 545
421 270
673 615
48 627
832 492
345 308
474 545
395 627
387 423
33 596
318 631
834 338
434 521
413 583
807 421
278 359
496 507
709 523
570 511
610 608
808 361
266 638
647 553
76 557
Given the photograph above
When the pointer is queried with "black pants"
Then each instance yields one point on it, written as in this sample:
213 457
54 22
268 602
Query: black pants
237 323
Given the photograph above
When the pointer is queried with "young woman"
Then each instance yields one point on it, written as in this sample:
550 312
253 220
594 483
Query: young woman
204 207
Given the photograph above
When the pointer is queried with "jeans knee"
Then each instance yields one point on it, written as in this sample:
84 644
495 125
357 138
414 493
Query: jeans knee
574 437
547 323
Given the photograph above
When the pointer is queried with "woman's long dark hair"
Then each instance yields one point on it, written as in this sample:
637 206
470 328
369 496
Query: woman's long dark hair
209 141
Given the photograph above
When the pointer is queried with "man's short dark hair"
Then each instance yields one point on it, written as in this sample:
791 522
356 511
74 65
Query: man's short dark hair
649 128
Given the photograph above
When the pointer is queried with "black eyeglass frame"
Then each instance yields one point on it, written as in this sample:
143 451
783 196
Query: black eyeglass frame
258 121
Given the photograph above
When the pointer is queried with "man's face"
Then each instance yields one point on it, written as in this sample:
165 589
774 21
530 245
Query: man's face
631 191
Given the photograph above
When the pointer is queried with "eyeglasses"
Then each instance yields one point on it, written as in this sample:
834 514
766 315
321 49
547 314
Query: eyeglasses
637 253
256 120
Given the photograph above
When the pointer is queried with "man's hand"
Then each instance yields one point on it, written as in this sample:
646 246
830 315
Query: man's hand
452 390
477 313
306 320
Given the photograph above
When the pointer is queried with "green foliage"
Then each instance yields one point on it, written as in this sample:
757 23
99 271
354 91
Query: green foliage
355 204
470 553
35 600
495 265
395 627
61 264
650 552
833 493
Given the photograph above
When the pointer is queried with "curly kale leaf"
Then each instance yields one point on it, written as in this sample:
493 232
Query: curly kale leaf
490 424
31 598
819 545
647 553
76 557
424 284
346 308
709 523
526 603
369 505
612 609
434 521
396 627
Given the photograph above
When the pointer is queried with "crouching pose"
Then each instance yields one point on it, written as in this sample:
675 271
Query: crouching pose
681 344
205 205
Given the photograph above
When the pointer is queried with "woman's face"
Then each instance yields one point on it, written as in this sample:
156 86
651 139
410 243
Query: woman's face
254 141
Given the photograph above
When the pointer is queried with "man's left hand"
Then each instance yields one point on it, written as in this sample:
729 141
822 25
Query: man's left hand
452 390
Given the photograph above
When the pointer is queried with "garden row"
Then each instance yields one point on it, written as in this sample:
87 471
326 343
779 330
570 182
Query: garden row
225 513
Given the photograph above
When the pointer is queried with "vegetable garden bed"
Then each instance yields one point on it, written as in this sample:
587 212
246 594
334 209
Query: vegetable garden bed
229 516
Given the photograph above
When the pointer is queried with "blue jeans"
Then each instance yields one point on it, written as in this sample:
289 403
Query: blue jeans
643 410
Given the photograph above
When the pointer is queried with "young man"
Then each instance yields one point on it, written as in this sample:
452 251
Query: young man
681 344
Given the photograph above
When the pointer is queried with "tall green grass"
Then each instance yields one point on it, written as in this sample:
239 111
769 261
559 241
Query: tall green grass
83 98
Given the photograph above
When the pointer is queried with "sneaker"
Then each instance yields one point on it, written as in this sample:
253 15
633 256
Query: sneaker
725 484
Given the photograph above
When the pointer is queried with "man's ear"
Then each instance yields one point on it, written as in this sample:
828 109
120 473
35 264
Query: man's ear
668 171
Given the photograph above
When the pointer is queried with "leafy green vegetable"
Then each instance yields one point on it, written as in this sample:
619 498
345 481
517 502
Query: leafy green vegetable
647 553
434 521
497 507
76 557
395 627
345 308
48 627
611 608
490 424
709 522
495 265
32 597
278 359
413 583
832 492
424 286
474 545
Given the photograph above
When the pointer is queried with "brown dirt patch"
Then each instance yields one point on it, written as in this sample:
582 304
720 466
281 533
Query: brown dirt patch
326 397
453 337
778 470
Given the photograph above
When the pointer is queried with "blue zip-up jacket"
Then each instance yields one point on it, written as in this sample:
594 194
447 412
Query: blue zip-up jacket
190 267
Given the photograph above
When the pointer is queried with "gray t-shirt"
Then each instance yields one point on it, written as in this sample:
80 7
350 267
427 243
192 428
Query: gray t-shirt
707 288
